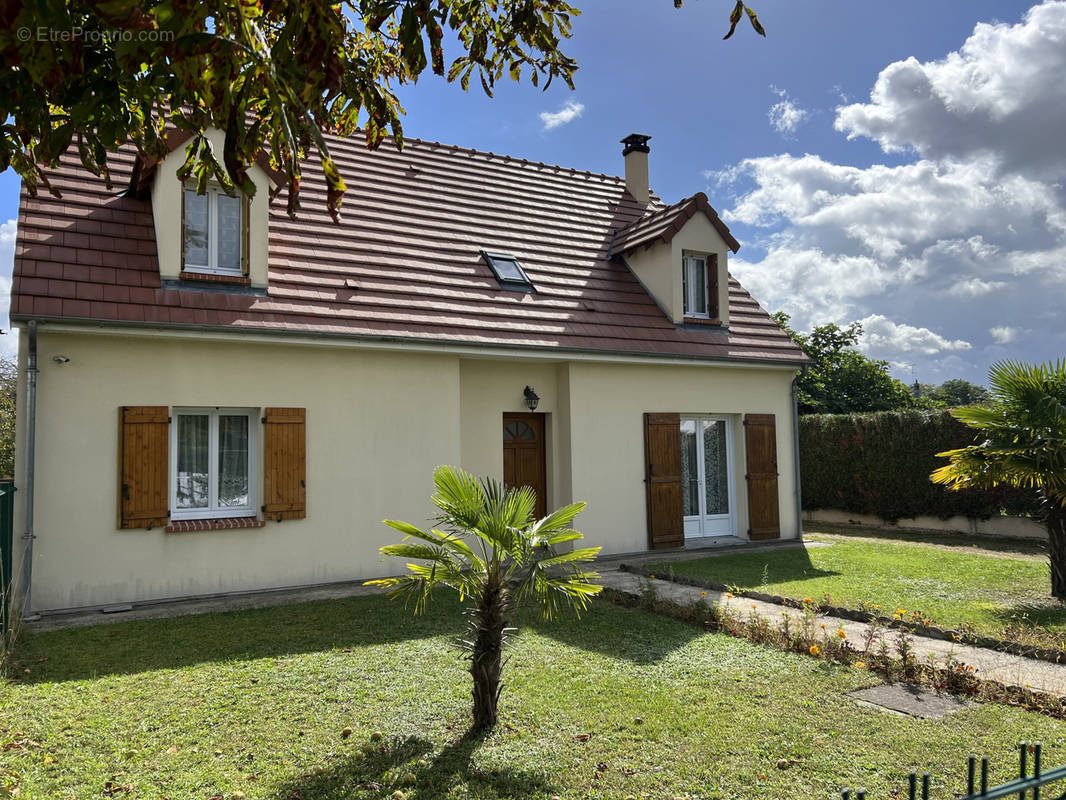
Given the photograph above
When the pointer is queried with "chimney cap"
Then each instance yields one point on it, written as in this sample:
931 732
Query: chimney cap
635 143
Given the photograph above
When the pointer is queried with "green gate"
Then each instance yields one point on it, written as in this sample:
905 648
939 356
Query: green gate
1026 787
7 519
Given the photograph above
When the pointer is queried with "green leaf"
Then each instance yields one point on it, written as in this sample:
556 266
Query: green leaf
734 18
755 22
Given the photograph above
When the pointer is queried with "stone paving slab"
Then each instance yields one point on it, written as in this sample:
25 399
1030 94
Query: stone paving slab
1007 668
912 701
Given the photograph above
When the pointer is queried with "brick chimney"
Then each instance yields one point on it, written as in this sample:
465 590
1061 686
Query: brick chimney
636 155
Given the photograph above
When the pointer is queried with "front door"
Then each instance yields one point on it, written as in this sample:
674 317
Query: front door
524 456
707 484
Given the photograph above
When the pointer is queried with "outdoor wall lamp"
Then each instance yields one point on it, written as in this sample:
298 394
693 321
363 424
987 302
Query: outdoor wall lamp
531 398
61 359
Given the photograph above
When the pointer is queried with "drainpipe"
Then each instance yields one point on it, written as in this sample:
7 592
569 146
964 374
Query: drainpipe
31 452
796 451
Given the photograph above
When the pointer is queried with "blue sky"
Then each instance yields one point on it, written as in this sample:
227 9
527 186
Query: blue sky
917 210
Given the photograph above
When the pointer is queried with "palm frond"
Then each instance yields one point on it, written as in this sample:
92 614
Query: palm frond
459 496
1024 430
558 519
573 557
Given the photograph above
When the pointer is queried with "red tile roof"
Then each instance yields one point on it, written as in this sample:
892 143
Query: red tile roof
661 225
404 264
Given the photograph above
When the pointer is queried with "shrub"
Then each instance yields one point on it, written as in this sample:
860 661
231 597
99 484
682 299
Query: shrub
880 464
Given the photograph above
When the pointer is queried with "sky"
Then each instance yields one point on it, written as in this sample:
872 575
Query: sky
898 164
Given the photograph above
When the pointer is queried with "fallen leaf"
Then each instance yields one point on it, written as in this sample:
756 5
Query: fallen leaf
172 750
581 737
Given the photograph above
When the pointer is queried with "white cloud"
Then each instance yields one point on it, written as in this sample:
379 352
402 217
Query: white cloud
880 334
570 111
9 341
975 287
1004 334
1000 95
786 115
969 232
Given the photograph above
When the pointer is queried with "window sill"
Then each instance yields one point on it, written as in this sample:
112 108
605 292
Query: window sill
210 277
223 523
702 321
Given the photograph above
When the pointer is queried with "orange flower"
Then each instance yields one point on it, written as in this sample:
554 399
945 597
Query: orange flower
703 594
728 594
815 650
860 665
841 634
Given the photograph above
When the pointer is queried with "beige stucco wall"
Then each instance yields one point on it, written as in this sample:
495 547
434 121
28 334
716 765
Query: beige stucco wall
488 389
377 425
378 422
166 209
659 266
608 404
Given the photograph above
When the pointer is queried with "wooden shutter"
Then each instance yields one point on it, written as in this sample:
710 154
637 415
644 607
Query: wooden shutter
662 479
712 286
144 488
285 463
760 437
181 266
246 224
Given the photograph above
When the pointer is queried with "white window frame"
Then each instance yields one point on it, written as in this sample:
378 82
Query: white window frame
214 511
212 267
691 263
696 527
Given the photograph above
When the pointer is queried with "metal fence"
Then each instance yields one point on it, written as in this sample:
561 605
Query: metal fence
1025 786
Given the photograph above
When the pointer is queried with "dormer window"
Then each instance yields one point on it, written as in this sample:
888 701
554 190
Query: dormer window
214 232
700 287
508 271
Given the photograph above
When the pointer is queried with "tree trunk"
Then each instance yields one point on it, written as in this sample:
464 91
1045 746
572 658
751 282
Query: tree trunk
1056 544
486 657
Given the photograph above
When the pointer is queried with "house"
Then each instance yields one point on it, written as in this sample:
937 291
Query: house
225 399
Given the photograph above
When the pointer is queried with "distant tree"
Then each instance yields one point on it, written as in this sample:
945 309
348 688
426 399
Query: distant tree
1023 443
8 378
840 379
958 392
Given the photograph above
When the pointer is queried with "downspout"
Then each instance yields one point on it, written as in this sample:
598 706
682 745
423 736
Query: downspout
796 451
31 452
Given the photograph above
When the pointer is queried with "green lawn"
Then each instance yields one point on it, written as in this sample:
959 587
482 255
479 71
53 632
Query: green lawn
255 702
997 585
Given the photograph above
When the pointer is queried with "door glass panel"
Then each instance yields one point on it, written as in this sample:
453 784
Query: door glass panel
192 478
232 460
715 466
195 229
229 232
518 430
690 474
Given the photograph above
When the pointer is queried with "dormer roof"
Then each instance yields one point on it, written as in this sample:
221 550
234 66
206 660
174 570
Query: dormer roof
661 224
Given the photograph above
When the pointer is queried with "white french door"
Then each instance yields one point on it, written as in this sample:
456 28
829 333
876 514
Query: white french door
707 480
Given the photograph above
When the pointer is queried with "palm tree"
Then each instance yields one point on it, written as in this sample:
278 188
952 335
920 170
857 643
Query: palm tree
1024 429
496 556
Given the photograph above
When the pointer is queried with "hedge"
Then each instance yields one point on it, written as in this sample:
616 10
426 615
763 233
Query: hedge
880 464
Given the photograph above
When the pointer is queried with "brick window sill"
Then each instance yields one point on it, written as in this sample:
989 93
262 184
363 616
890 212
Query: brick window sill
235 280
702 321
224 523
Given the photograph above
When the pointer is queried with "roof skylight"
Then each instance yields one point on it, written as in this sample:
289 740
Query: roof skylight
507 271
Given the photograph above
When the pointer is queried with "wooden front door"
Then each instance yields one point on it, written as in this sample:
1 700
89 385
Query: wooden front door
524 456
